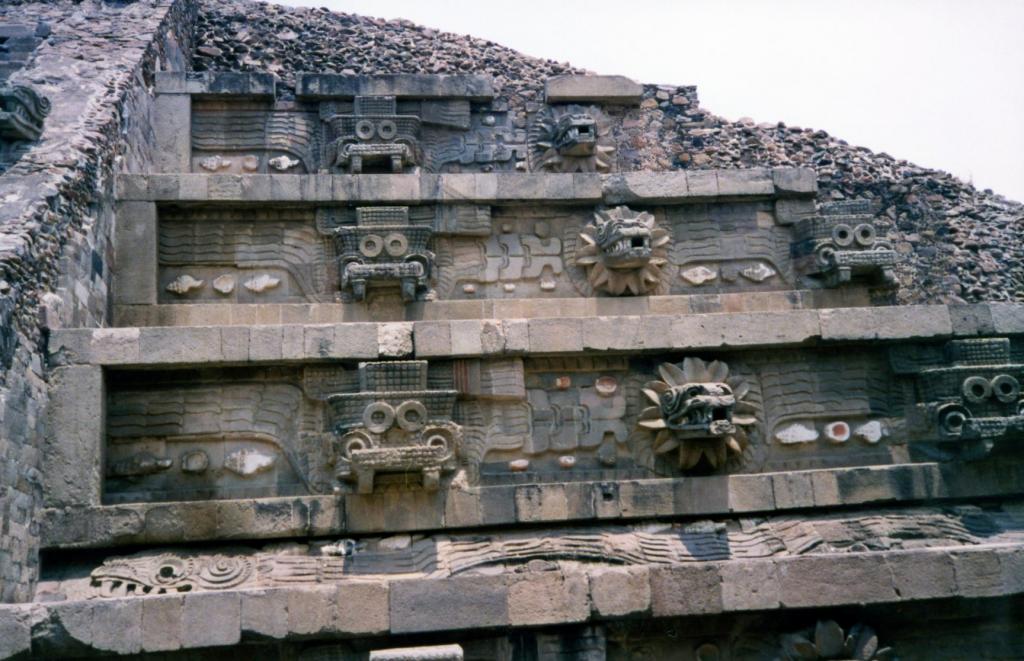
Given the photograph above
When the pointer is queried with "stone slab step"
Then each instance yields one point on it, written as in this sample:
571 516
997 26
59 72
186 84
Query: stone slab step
595 593
551 503
191 345
633 187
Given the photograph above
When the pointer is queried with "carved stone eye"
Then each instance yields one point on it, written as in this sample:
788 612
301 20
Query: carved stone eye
976 389
371 245
842 235
396 244
364 129
865 234
387 129
1006 388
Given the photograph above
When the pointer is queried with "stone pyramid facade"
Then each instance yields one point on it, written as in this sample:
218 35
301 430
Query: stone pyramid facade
394 368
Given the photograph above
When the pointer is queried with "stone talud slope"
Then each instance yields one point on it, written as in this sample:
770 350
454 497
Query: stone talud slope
958 243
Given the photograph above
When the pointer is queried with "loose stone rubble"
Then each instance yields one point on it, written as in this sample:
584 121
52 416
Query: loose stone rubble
327 337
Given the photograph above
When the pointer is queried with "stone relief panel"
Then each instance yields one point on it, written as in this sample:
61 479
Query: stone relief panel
963 398
22 113
239 137
160 571
825 640
243 256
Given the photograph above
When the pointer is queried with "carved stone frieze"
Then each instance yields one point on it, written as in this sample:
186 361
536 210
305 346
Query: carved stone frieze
393 424
842 243
623 251
828 640
22 112
372 134
966 395
385 249
698 413
571 139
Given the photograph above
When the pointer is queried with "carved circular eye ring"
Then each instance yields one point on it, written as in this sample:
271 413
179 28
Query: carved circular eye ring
438 437
865 234
1006 388
826 255
364 129
396 244
411 415
976 389
353 441
371 245
378 417
842 235
953 419
387 129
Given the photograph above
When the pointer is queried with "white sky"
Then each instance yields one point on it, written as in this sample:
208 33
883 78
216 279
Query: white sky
937 82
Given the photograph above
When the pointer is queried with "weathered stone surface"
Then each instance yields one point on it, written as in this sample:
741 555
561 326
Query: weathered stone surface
617 592
597 89
461 603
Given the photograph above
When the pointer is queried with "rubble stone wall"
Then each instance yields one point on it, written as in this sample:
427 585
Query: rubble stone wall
96 68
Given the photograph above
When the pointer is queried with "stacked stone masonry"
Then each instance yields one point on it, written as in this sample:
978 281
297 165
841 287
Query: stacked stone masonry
436 365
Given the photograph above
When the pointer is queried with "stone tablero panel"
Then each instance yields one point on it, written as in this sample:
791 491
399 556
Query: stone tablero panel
376 426
453 252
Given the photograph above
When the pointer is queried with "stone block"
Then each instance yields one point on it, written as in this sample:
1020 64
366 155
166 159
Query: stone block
462 508
541 502
833 580
646 187
449 604
498 505
432 338
264 614
235 343
548 597
265 343
794 181
751 493
752 181
394 339
183 345
689 589
793 490
1007 317
110 346
922 574
617 90
513 187
172 129
978 572
161 623
886 323
191 187
312 610
746 329
555 335
749 585
394 511
702 183
968 320
75 437
646 498
358 340
135 254
117 626
620 591
363 608
211 619
15 632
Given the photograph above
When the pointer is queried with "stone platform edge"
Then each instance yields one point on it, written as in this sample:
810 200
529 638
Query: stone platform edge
547 503
190 345
364 609
640 187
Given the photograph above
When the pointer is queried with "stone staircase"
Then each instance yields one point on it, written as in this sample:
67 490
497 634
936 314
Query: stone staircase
389 359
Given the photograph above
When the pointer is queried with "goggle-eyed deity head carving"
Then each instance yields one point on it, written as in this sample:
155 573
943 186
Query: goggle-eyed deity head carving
623 251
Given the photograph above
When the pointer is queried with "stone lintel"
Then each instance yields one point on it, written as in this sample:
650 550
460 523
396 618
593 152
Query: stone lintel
359 609
676 187
592 89
216 83
554 503
318 86
190 345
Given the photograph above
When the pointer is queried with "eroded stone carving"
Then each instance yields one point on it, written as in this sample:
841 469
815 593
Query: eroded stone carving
699 412
827 640
966 395
22 112
385 249
162 573
623 251
373 134
570 139
232 137
842 243
183 284
394 424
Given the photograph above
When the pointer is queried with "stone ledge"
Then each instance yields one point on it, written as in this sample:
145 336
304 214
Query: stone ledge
593 89
191 345
317 86
640 187
212 83
352 608
489 506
